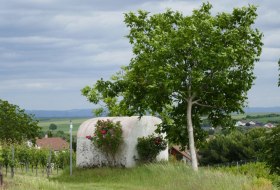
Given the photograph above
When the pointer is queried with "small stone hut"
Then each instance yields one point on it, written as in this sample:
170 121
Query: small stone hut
133 127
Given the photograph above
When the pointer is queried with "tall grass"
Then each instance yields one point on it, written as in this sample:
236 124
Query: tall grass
164 176
258 169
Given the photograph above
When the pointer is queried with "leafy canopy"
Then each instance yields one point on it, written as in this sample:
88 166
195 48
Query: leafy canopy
234 146
272 150
199 60
15 124
52 126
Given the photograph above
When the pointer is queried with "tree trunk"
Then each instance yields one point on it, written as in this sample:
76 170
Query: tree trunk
191 136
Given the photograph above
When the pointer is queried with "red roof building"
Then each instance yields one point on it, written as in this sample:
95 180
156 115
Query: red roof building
53 143
180 155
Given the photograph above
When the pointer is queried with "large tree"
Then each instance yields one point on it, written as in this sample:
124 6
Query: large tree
15 124
184 67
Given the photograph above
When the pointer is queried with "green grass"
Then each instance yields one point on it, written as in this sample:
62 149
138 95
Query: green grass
266 119
261 117
258 169
147 177
62 124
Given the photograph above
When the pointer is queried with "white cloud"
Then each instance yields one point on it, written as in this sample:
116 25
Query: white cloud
50 49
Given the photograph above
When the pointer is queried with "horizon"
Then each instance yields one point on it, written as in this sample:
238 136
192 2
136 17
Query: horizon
77 109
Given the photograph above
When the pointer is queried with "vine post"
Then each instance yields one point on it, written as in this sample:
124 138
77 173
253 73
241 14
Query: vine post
71 127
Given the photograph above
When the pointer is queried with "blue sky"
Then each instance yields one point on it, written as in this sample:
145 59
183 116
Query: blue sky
51 49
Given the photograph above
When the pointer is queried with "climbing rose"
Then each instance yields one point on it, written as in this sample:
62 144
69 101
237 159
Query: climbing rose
103 132
89 137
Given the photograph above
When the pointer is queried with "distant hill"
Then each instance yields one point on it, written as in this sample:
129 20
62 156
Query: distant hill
262 110
82 113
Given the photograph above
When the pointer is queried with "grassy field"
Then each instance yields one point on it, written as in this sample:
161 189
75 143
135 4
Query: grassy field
259 117
165 176
62 124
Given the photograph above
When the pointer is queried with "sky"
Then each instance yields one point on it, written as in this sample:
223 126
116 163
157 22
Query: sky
51 49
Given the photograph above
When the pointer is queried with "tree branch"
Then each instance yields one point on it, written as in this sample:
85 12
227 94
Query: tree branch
203 105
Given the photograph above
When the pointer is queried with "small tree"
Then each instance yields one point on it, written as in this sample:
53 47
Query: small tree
52 127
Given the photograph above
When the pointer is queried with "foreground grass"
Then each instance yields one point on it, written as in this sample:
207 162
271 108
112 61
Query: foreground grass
258 169
146 177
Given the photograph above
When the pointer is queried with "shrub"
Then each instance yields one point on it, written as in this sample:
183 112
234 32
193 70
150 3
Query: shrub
52 127
234 146
108 138
149 147
272 150
258 169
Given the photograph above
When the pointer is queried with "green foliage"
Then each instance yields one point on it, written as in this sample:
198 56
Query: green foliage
35 157
262 116
149 147
50 133
52 127
62 123
108 138
24 155
258 169
234 146
61 159
6 156
15 124
272 150
62 134
184 67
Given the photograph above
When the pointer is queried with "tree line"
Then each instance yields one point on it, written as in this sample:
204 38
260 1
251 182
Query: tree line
232 146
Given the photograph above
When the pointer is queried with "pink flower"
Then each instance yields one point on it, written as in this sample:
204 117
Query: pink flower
88 137
103 132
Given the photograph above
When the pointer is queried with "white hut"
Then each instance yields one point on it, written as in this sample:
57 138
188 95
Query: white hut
133 127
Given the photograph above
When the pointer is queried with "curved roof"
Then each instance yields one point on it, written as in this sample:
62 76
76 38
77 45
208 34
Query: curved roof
88 127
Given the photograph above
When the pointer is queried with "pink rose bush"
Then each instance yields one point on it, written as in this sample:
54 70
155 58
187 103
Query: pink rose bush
108 138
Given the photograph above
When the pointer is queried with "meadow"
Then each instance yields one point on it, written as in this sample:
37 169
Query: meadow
63 124
161 176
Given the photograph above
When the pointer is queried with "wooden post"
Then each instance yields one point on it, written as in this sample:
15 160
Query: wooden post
13 161
71 127
49 164
1 179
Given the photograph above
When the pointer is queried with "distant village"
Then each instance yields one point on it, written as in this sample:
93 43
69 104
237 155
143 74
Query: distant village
246 123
